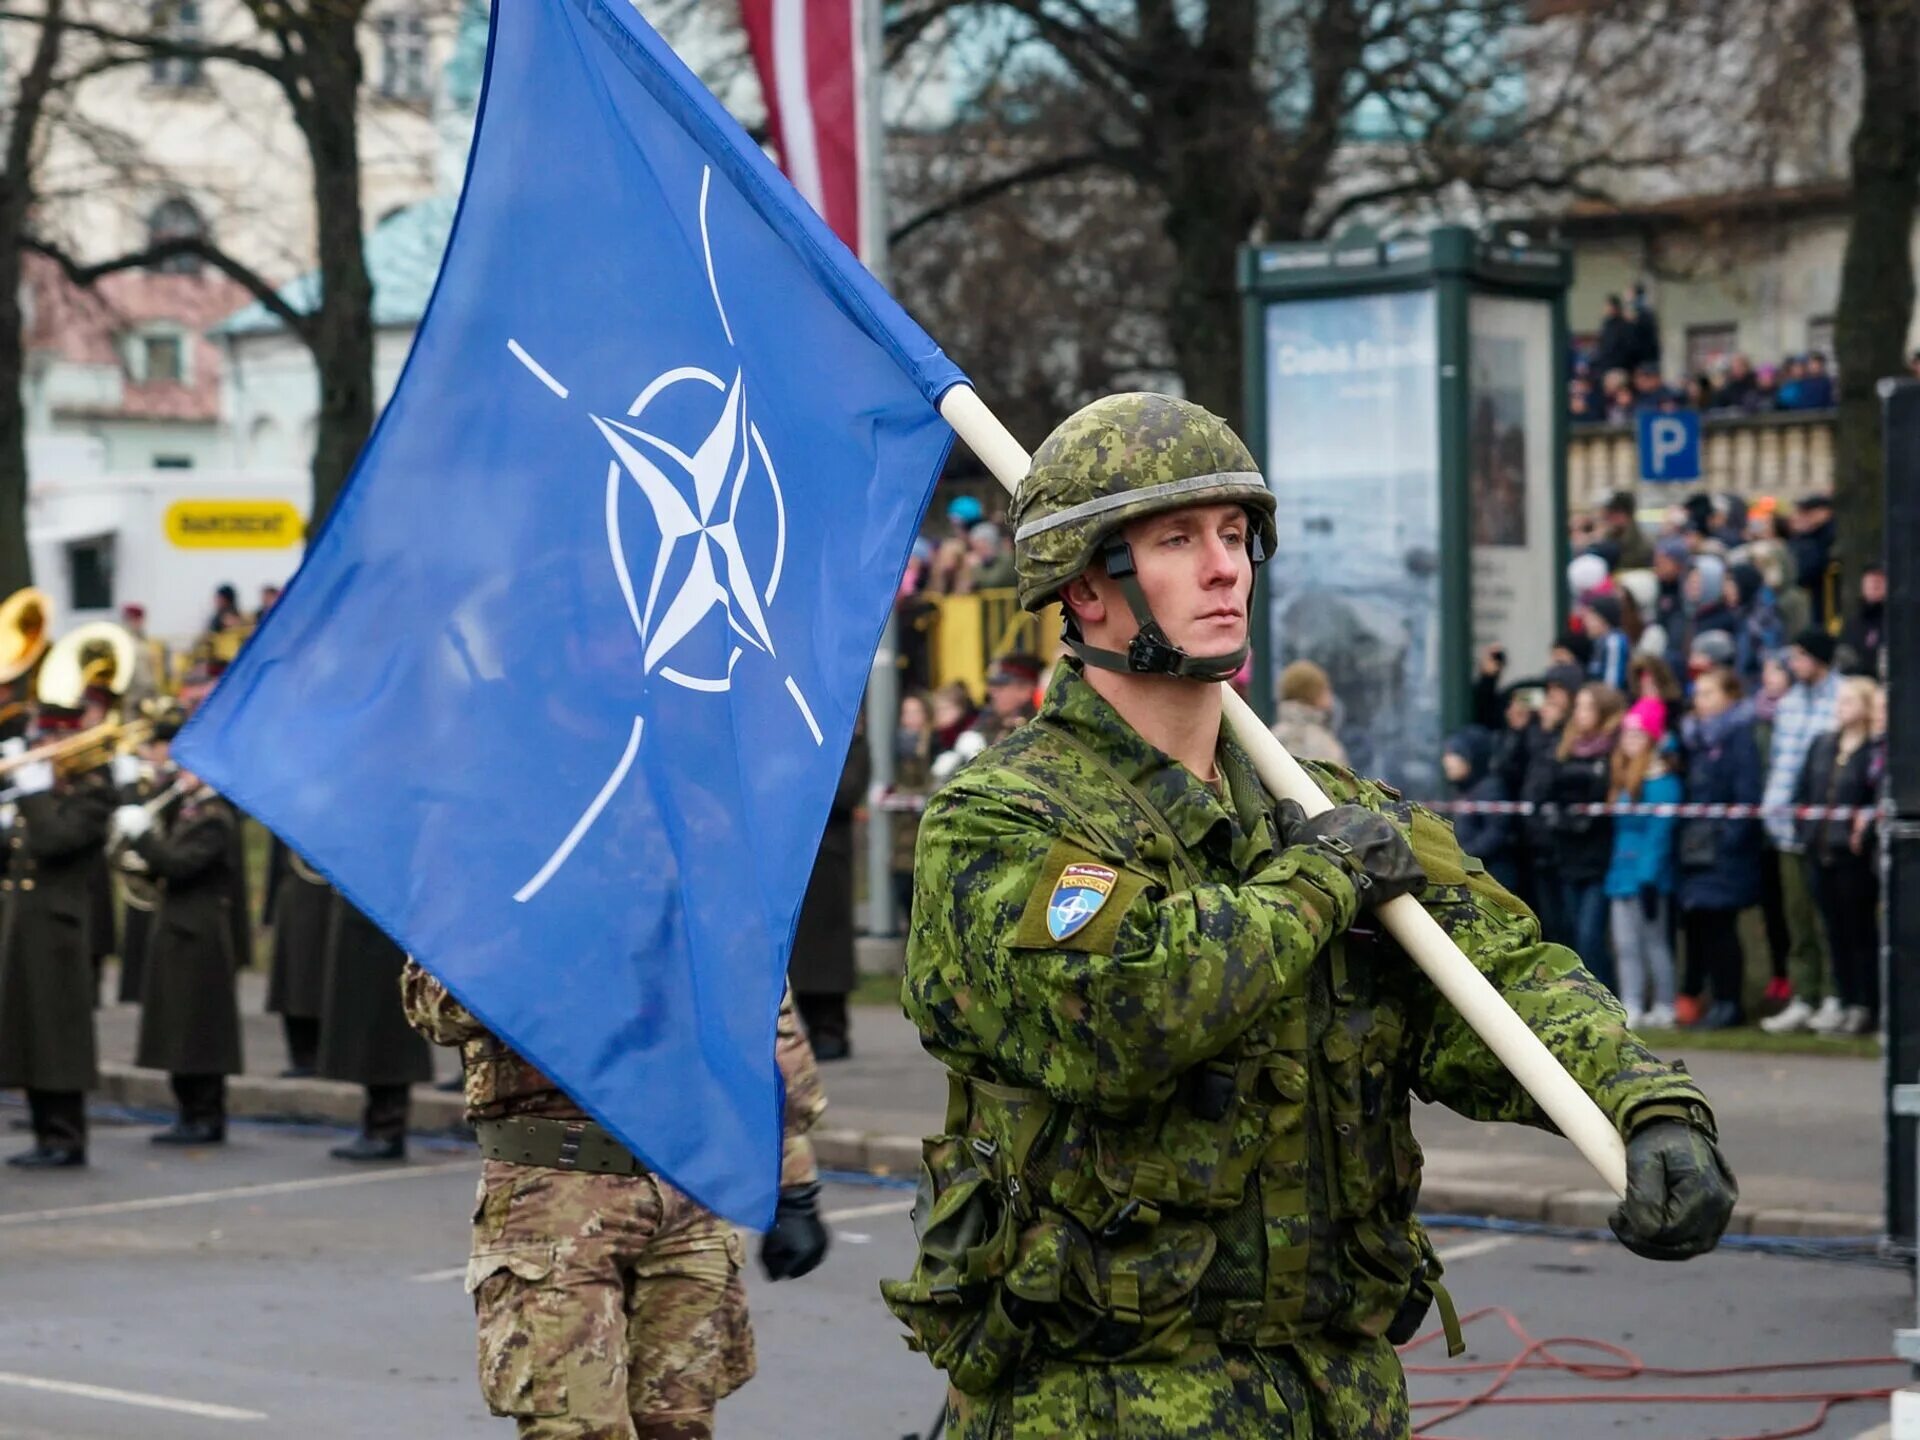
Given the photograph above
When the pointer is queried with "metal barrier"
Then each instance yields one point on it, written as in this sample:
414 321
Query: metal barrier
969 632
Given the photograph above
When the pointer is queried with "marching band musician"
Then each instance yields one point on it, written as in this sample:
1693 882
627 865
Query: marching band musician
189 1014
138 780
364 1035
301 905
55 836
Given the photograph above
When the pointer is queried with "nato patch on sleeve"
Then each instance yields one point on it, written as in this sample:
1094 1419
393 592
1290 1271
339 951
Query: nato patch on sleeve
1077 903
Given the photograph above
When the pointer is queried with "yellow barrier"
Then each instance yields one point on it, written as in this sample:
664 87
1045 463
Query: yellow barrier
971 631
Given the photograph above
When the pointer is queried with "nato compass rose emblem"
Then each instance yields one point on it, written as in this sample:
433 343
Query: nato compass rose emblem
699 517
1077 897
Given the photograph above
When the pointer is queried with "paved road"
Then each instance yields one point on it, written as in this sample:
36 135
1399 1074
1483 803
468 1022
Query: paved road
268 1291
1803 1132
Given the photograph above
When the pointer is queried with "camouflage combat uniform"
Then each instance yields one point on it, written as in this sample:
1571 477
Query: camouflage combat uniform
1174 1194
609 1306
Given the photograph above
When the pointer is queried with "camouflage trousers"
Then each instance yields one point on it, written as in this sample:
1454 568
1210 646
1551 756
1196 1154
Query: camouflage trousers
610 1307
1329 1390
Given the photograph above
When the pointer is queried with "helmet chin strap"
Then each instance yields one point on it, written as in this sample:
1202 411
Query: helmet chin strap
1150 652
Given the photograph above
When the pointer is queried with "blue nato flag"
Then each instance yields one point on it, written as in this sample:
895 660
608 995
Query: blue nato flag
562 691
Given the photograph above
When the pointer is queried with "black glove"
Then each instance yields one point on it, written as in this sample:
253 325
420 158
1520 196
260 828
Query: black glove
1650 902
797 1240
1366 844
1680 1193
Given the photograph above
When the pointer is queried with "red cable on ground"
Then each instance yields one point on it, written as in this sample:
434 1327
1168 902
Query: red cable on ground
1621 1364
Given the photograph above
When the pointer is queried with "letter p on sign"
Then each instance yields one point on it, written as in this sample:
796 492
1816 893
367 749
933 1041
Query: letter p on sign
1669 445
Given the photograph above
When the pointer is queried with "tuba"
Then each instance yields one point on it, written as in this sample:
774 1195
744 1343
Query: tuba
26 617
92 657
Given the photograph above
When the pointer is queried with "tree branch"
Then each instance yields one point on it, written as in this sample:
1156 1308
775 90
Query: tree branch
988 189
84 275
165 46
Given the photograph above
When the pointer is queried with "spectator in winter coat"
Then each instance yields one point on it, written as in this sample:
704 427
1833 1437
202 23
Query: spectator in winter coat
1804 713
1860 642
1718 860
1583 844
1812 545
1543 744
1840 859
1639 881
1618 346
1623 528
1305 717
1468 763
1604 620
1759 631
1706 602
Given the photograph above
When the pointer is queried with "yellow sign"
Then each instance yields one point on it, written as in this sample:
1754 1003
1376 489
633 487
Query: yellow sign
234 524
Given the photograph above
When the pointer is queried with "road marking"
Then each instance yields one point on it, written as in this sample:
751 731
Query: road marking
861 1212
203 1197
129 1397
1471 1248
435 1277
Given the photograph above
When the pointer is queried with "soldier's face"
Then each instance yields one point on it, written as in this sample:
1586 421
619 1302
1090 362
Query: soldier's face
1195 570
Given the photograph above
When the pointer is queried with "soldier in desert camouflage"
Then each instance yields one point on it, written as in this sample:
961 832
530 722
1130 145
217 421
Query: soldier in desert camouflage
1174 1195
610 1305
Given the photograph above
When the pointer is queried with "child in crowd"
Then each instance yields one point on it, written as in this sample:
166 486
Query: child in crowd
1639 881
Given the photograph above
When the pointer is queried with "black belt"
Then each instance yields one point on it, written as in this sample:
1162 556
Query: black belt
556 1144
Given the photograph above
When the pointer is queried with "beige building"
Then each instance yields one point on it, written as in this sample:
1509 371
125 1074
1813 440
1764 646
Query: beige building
1757 272
171 144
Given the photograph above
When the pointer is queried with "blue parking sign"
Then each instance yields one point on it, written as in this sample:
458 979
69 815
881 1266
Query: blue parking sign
1669 445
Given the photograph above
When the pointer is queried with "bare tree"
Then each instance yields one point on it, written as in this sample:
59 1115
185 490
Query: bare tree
310 50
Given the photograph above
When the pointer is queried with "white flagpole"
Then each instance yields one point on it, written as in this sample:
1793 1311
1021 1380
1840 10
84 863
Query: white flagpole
883 683
1456 977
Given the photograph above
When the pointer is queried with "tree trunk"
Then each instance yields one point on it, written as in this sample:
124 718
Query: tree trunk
1208 218
343 328
16 201
1876 278
16 565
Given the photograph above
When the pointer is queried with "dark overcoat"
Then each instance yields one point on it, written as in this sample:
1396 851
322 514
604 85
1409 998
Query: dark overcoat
302 911
822 961
138 899
47 988
364 1034
189 1016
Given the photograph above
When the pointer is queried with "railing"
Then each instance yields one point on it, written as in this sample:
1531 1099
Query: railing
1783 455
967 633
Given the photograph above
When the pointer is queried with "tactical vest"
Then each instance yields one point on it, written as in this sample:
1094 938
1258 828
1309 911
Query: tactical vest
1268 1198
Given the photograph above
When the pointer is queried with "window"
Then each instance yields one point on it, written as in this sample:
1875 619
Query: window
403 57
176 219
90 572
177 20
1709 345
162 355
1820 336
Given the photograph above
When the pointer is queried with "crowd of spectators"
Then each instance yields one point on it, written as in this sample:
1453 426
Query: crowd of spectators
1707 663
1620 374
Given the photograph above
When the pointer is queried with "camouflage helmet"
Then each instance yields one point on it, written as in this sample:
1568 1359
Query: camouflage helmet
1114 461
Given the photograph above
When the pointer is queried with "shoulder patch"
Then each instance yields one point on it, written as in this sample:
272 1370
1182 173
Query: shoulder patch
1077 902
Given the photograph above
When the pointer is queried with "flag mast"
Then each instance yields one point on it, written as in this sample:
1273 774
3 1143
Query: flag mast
883 686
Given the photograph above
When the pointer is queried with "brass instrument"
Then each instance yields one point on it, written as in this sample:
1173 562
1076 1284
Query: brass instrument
26 617
96 656
137 885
